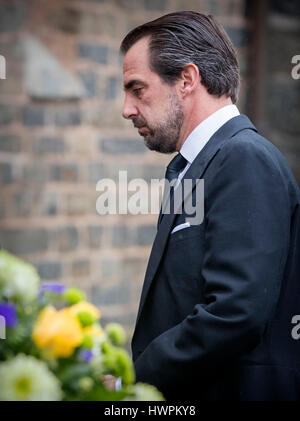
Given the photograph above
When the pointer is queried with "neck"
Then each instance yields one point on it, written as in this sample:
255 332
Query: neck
197 113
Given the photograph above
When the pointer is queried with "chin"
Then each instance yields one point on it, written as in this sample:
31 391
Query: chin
150 145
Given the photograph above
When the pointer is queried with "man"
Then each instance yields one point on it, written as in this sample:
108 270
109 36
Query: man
214 319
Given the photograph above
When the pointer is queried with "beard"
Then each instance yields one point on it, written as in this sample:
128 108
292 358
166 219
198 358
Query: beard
163 137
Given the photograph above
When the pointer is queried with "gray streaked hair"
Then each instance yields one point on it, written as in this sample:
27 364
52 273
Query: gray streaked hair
179 38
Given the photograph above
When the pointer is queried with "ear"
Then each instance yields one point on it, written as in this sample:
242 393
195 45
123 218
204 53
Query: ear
189 80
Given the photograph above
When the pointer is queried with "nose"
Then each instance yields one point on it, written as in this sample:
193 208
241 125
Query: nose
129 109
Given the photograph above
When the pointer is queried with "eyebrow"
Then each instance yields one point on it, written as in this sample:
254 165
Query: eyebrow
132 83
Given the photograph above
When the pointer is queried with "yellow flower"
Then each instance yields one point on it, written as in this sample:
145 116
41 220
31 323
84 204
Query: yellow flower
84 307
93 331
58 332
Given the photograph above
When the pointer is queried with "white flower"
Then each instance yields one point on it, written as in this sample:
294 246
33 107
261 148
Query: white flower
24 378
18 279
97 360
143 392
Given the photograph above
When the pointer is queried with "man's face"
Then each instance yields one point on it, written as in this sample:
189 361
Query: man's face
153 106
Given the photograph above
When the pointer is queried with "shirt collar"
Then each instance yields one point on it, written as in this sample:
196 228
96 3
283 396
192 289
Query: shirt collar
204 131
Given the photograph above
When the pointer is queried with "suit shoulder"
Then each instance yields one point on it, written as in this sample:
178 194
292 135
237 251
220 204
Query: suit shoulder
248 140
250 145
249 149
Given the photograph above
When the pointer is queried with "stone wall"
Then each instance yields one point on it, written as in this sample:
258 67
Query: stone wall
281 100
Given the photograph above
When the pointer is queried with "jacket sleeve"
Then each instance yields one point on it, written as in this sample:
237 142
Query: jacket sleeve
246 245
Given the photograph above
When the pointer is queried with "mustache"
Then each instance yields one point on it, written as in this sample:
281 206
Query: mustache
139 122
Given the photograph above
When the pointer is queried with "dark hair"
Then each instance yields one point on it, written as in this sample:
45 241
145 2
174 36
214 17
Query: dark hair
184 37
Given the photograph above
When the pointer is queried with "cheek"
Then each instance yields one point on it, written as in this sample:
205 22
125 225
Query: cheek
151 116
146 109
154 106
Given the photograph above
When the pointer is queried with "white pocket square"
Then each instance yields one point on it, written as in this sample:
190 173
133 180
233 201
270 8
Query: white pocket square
180 227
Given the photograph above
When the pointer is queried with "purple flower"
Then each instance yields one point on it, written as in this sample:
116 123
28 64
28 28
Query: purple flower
8 311
53 287
86 355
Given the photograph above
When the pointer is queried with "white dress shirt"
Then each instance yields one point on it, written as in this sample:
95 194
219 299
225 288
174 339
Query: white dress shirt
198 138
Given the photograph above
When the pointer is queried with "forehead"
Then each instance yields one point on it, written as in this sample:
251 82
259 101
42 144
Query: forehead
136 61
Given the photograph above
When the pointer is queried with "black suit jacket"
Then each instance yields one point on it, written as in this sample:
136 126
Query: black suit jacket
215 315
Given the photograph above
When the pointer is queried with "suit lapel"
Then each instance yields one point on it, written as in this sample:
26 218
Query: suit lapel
195 172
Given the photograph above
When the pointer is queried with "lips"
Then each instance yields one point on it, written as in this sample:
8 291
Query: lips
141 126
142 129
138 123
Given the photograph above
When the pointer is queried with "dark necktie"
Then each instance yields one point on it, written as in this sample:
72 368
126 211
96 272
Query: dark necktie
175 166
173 169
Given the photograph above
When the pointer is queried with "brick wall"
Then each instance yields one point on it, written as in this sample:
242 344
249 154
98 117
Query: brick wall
281 99
58 139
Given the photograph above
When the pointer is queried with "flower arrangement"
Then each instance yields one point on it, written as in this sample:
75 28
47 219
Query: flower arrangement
55 347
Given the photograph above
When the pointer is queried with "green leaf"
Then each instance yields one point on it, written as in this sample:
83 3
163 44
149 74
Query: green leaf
100 393
73 372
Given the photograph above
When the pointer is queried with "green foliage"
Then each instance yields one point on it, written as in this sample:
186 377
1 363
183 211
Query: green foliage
118 362
116 333
73 295
85 318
